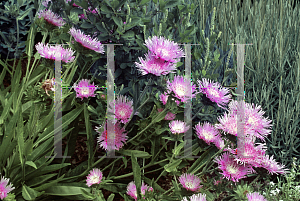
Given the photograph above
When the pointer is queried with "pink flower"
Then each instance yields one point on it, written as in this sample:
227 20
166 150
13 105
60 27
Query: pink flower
219 142
4 189
230 169
190 182
84 89
49 52
164 49
87 41
120 137
228 123
198 197
169 116
51 17
123 108
214 92
164 99
94 177
250 154
178 127
255 197
217 182
272 166
131 189
207 132
81 16
155 66
182 88
253 119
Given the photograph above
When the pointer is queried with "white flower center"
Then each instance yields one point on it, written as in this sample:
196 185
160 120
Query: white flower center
213 92
180 90
95 179
85 90
232 169
207 135
189 185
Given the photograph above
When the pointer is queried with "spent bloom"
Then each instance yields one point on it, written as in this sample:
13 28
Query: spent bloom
198 197
120 137
48 85
154 66
177 127
123 108
206 132
84 89
214 92
51 17
182 88
4 188
255 197
131 189
94 177
87 41
190 182
49 52
164 49
231 169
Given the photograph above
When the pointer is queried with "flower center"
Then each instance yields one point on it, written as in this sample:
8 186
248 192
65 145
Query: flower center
189 185
213 92
180 90
207 135
95 179
85 91
232 169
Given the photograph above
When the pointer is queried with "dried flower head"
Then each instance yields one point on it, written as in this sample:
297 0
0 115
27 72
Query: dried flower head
48 85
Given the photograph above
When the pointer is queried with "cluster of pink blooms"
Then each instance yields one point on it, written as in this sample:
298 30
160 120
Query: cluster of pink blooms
49 52
162 57
4 188
131 189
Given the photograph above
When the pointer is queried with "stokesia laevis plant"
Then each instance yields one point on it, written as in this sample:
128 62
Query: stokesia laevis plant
94 177
123 108
255 197
84 89
131 189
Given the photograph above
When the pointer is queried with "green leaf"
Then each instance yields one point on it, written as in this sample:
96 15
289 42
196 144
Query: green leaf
118 21
40 180
178 148
143 2
111 197
171 167
64 36
105 9
128 34
28 147
180 7
87 195
24 14
203 72
86 25
30 163
137 175
172 3
155 1
178 64
66 190
137 153
28 193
